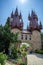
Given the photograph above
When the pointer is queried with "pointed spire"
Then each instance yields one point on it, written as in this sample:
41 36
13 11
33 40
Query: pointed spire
12 14
16 11
20 16
29 17
27 26
33 15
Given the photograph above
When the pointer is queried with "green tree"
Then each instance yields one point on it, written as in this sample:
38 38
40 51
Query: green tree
42 39
14 46
6 37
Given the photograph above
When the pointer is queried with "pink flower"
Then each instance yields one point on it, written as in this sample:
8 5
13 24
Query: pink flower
17 64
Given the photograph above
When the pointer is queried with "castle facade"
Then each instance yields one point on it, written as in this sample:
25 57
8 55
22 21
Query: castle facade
32 33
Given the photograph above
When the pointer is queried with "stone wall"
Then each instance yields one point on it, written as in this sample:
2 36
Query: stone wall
36 40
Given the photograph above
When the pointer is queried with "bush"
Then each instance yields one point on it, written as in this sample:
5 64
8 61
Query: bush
14 53
3 57
20 62
39 51
23 54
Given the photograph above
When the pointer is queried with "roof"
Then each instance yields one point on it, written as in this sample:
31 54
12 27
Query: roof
25 31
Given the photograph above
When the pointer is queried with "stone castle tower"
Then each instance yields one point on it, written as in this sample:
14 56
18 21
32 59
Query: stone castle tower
35 28
32 33
16 20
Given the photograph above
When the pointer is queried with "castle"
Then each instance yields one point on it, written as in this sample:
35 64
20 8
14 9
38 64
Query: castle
32 33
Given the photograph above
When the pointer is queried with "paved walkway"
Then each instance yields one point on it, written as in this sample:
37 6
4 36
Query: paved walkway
35 59
9 63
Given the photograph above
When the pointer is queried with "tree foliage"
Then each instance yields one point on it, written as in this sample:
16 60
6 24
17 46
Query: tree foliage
6 37
42 39
3 57
42 36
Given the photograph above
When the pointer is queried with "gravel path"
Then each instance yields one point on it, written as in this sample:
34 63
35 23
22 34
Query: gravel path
35 59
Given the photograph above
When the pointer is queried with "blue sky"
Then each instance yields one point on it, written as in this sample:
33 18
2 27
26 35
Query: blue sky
6 7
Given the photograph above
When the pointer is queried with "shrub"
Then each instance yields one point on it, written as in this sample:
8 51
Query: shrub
14 53
3 57
23 54
39 51
20 62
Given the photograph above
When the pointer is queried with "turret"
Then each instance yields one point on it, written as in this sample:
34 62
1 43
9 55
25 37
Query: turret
33 25
12 14
29 17
21 21
16 20
34 16
20 16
